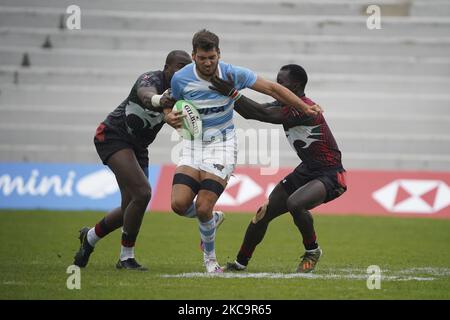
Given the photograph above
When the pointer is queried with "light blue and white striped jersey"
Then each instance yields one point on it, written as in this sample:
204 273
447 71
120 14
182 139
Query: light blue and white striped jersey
216 110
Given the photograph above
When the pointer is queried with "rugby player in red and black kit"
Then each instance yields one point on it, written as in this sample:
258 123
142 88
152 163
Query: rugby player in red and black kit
121 141
318 179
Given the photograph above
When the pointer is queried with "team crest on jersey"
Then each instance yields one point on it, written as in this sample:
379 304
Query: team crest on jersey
306 134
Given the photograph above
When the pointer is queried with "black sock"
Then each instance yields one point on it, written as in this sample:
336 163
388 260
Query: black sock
311 243
305 224
253 236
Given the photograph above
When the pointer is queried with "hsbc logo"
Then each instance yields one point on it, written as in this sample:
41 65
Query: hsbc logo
414 196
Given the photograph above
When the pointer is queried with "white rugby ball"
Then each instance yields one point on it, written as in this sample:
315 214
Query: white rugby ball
192 123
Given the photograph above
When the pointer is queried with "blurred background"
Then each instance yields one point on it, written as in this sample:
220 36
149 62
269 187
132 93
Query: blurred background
385 92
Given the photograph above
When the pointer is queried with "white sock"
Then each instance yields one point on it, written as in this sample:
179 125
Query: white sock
126 253
92 237
208 235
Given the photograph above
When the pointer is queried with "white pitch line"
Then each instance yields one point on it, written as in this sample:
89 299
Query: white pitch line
410 274
266 275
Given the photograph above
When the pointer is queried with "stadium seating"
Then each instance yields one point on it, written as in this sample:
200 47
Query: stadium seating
385 92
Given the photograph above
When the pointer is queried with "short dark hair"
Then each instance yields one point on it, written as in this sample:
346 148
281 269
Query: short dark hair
173 55
297 73
205 40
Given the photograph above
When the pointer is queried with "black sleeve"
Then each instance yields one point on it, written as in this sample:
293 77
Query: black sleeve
267 112
148 80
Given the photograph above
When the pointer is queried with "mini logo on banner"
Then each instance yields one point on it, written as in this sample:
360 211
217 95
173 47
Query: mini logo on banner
240 189
414 196
69 186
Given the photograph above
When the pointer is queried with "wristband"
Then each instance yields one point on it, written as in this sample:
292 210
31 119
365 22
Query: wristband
235 95
156 99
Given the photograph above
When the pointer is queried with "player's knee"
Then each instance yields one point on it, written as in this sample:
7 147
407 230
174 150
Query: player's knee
203 208
260 214
142 194
179 207
293 205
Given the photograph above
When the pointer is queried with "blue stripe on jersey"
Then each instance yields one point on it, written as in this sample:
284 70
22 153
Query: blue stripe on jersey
217 121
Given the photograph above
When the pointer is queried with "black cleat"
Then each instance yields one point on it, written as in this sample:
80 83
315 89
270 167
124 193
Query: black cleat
309 260
234 266
130 264
82 256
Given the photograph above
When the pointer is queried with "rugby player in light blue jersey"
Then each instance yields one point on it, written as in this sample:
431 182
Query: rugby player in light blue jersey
206 165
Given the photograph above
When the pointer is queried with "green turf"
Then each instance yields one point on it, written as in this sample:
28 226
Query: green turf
36 247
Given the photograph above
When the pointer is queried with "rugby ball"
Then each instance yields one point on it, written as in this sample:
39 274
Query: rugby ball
192 123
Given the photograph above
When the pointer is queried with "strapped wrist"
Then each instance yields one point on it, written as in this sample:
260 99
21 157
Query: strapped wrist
235 94
156 100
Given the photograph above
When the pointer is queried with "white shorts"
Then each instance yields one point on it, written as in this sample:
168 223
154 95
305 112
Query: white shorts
217 157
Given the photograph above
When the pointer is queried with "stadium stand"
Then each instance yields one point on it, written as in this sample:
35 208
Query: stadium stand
385 92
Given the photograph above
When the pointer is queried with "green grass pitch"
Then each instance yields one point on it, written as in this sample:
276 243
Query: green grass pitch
36 247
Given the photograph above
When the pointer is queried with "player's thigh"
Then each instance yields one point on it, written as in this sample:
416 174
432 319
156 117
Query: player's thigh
129 174
309 196
185 186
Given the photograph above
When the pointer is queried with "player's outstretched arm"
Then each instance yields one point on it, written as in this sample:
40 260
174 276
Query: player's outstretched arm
250 109
161 103
284 95
246 107
153 101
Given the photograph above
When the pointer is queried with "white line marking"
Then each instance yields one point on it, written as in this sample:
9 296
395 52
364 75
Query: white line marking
411 274
265 275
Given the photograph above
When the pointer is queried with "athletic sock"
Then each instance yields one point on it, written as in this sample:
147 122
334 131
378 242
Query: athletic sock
244 255
96 233
127 248
305 224
253 236
208 234
310 243
92 237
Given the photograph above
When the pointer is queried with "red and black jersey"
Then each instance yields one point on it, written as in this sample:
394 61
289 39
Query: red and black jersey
311 138
154 120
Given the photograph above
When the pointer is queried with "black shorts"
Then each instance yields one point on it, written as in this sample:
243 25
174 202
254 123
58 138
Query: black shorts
333 179
108 141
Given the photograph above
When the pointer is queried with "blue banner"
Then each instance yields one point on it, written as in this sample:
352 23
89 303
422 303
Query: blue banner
66 186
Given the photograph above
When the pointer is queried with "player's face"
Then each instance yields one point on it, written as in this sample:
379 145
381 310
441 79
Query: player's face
284 79
206 61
